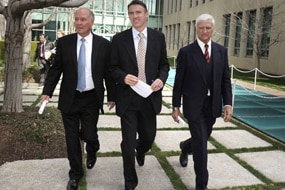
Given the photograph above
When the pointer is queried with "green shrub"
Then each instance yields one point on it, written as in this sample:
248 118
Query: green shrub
172 61
31 74
2 51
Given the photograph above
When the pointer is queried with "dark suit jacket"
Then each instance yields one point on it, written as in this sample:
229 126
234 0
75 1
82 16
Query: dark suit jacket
123 62
66 64
48 46
190 80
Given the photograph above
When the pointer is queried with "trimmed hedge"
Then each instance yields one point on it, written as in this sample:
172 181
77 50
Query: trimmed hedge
2 51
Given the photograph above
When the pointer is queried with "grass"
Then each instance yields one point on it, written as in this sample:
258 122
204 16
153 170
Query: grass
54 119
274 83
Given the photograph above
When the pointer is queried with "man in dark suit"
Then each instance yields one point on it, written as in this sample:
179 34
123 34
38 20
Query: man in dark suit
203 82
43 47
138 114
80 106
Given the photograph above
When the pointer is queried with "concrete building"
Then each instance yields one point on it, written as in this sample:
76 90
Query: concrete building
252 31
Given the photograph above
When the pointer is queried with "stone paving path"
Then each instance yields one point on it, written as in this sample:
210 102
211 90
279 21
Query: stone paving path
245 159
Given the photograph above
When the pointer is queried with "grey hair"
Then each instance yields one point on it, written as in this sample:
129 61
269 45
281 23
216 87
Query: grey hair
204 17
92 16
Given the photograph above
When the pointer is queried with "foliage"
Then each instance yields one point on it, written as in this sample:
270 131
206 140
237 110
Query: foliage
276 83
31 74
2 51
35 127
171 61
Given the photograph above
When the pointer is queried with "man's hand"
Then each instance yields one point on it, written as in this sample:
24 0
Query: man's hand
175 114
131 80
228 112
44 97
156 85
111 105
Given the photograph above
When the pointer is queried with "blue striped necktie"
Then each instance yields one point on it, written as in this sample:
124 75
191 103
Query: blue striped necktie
81 83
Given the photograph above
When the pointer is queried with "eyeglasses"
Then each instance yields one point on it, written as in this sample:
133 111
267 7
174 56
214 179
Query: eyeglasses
207 28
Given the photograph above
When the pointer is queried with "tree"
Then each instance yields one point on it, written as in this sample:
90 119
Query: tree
14 14
27 35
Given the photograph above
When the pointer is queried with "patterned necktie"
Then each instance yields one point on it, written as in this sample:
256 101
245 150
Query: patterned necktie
81 83
207 56
43 50
141 57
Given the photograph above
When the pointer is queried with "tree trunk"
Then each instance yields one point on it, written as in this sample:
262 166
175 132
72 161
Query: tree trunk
27 41
13 64
14 35
2 29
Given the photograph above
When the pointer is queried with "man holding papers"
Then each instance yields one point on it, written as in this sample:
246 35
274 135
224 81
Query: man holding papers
138 53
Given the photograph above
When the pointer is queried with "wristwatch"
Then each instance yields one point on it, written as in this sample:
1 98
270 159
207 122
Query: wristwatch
175 108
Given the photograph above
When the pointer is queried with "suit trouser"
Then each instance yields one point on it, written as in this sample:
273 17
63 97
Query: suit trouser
139 118
200 130
45 65
81 123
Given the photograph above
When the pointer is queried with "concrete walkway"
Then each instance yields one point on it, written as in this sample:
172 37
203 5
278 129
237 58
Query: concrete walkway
245 159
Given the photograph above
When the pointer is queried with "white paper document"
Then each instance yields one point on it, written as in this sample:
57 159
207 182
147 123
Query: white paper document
42 106
142 89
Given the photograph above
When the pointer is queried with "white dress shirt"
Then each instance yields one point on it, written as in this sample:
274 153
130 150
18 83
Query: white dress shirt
202 46
88 70
137 38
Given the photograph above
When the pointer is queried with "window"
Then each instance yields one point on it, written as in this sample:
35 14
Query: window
178 35
166 32
188 32
174 31
238 31
170 35
190 3
266 31
227 20
194 32
250 32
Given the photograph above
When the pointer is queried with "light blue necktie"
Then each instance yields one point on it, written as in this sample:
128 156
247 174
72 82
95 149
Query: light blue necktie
81 83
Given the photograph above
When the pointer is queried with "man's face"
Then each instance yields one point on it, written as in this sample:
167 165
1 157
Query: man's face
205 30
83 22
42 39
138 17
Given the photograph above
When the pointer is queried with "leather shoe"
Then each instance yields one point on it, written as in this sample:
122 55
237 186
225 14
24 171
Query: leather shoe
90 161
72 184
183 158
140 158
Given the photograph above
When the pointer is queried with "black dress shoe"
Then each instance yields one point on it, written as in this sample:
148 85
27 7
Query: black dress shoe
140 158
183 158
90 161
72 185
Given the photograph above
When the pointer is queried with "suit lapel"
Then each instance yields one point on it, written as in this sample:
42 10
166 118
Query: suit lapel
129 45
95 47
150 49
199 60
215 58
73 49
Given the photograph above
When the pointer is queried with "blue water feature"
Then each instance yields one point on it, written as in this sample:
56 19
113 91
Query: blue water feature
259 110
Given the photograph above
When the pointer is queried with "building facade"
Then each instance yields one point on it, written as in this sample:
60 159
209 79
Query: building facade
253 31
111 17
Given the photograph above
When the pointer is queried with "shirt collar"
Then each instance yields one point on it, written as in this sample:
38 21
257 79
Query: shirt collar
87 38
136 33
202 44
